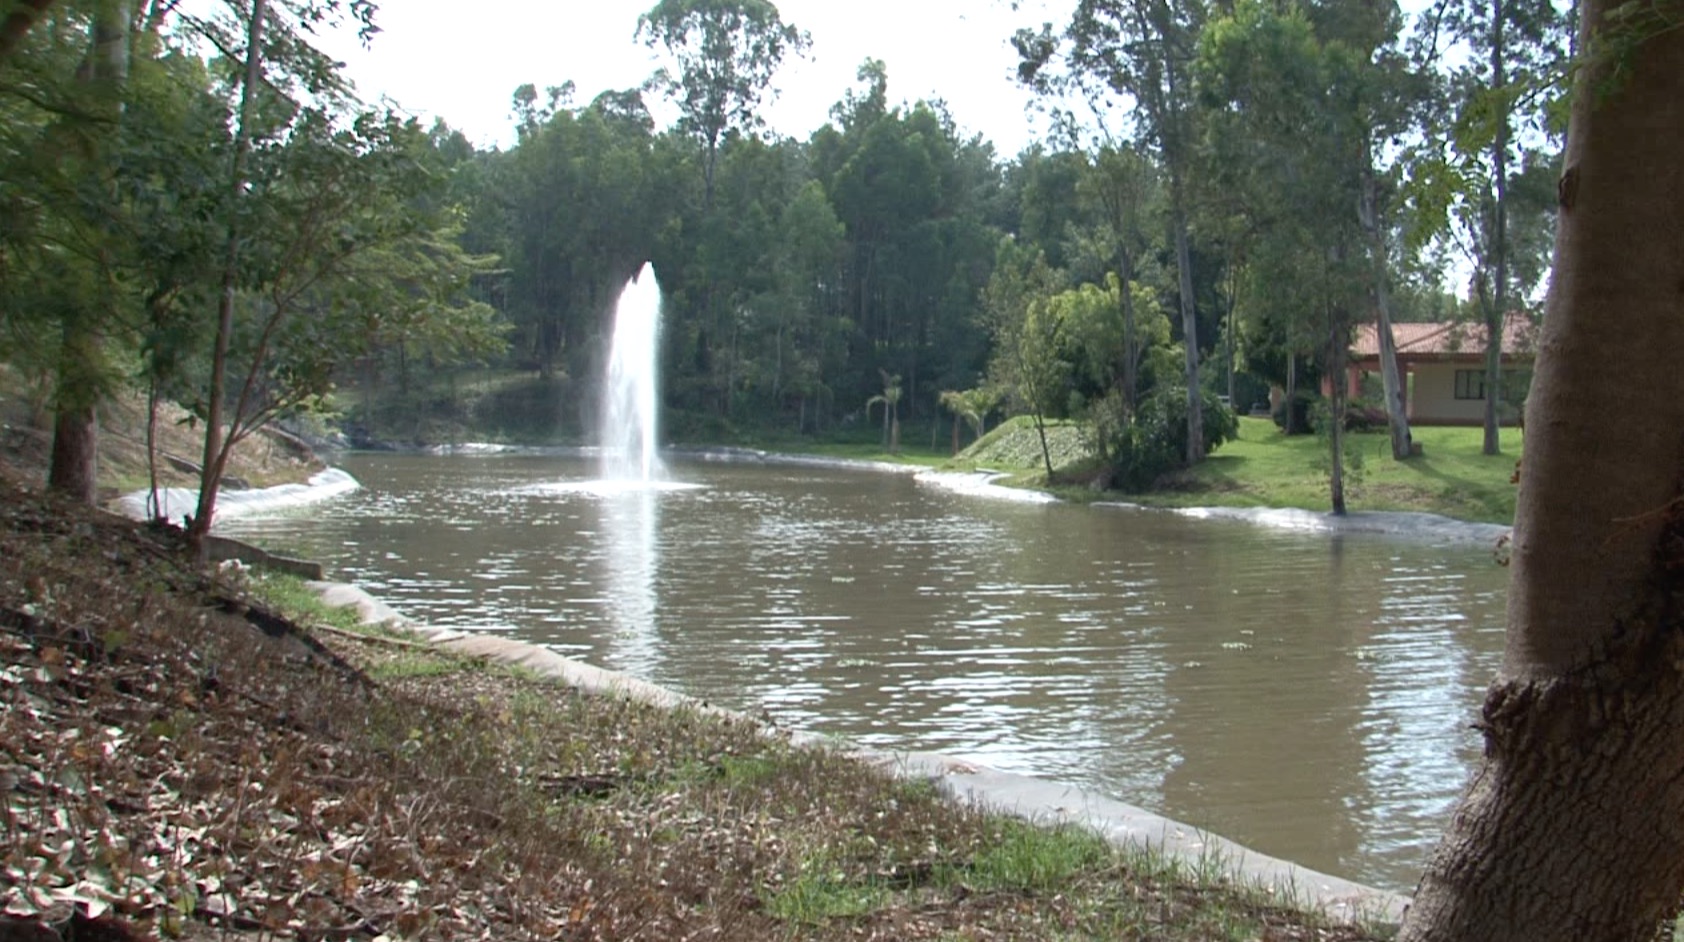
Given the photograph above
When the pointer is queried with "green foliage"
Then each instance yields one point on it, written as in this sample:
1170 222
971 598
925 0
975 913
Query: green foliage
1155 443
726 52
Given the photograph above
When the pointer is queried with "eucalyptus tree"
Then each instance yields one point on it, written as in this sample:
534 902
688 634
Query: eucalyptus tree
1570 826
579 202
1500 110
913 197
1124 185
1294 87
1141 50
725 53
345 253
741 285
1319 89
1025 361
1052 204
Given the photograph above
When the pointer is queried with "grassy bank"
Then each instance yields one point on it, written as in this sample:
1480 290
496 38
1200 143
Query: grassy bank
1264 468
182 759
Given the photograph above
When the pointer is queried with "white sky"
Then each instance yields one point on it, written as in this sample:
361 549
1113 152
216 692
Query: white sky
462 61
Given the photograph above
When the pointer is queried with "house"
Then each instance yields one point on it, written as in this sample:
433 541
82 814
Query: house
1444 366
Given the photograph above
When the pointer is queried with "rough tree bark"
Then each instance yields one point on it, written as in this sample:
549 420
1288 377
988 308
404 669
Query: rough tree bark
1573 826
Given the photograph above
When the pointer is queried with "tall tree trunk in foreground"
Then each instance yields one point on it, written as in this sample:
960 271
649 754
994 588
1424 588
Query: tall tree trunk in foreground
74 466
1573 826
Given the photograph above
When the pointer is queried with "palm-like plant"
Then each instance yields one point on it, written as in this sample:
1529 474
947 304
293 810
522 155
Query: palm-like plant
890 399
972 405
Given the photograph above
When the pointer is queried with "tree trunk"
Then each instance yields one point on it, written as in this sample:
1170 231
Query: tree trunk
1131 342
1573 826
1288 425
1046 452
74 466
210 476
1391 380
1228 352
1189 330
1337 342
1498 312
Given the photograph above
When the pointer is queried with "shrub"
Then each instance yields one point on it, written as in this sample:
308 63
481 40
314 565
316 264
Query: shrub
1360 416
1155 443
1301 403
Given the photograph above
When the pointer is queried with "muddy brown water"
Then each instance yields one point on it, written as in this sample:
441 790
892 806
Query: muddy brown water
1306 694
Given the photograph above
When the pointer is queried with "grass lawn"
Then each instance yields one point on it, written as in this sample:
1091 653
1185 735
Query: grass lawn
1265 468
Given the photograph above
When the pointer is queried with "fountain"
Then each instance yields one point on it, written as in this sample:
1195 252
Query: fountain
629 399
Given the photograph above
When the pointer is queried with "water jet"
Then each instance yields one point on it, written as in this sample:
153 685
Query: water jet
630 395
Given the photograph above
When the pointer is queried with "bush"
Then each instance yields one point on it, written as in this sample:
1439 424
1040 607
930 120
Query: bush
1302 404
1365 415
1360 416
1155 443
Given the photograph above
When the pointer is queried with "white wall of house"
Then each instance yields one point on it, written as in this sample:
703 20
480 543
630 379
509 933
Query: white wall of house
1433 395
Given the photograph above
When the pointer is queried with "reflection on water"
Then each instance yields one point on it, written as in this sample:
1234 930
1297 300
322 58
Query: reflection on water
628 524
1306 694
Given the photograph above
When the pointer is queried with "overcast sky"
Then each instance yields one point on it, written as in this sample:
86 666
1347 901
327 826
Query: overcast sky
461 61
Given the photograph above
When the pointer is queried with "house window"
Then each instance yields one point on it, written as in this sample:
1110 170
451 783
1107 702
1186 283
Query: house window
1470 384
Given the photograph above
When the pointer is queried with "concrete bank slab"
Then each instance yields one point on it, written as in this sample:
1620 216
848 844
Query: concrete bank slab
1029 797
177 502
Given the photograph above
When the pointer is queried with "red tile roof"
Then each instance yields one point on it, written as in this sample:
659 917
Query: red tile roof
1448 338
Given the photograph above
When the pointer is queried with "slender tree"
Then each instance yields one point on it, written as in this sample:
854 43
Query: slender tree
215 455
1141 49
726 52
1494 104
1123 180
1573 825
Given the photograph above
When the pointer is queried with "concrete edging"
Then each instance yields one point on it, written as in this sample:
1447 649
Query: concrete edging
1026 796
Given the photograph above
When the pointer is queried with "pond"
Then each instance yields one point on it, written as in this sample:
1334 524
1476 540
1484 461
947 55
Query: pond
1306 694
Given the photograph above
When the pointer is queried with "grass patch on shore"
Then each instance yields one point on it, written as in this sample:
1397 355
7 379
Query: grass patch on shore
1264 468
333 780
